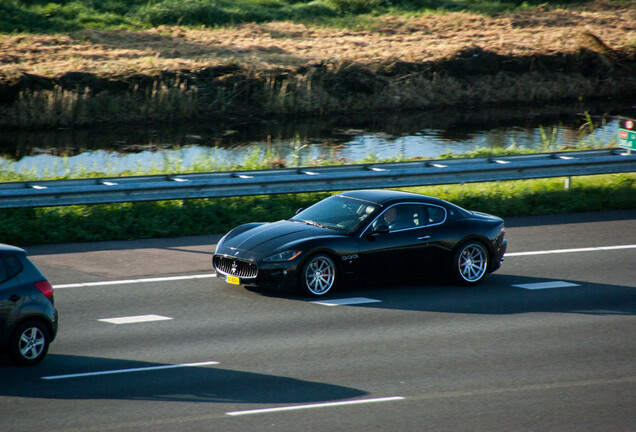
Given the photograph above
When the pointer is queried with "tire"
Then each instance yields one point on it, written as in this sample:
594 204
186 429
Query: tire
318 275
29 343
470 264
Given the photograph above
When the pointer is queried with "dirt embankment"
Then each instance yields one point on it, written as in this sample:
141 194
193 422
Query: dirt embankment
171 73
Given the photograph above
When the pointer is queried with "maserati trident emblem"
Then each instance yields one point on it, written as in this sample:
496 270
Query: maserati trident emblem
234 267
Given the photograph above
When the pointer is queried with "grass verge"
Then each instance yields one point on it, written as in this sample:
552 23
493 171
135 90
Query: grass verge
71 15
128 221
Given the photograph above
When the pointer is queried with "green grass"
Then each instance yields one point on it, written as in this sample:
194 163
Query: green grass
542 196
128 221
70 15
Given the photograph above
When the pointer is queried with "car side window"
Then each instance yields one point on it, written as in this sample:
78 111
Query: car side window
403 216
3 271
435 215
407 216
9 267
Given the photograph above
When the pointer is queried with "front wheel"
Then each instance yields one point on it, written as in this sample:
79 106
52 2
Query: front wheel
29 343
470 263
318 275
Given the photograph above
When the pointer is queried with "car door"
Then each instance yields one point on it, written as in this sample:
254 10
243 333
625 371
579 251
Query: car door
394 247
11 294
438 238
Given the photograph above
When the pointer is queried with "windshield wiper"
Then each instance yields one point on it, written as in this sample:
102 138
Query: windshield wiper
316 224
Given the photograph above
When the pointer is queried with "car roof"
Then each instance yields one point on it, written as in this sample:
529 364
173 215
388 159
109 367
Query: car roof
388 197
12 249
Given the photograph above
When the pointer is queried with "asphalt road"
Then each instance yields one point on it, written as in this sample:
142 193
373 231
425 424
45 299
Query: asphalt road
545 344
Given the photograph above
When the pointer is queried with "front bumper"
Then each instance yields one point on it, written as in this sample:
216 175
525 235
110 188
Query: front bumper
274 275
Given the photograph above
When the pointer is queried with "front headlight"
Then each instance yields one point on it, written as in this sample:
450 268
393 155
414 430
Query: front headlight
283 256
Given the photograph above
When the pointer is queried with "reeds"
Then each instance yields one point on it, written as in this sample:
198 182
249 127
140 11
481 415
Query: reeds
62 107
317 90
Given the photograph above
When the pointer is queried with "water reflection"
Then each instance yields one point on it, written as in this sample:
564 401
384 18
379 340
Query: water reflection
214 145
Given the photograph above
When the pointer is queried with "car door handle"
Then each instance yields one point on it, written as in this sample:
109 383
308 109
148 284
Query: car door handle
425 237
14 298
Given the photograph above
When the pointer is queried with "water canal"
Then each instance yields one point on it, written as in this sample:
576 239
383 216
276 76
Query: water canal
214 145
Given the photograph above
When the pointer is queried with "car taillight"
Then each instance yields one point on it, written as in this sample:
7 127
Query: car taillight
502 229
45 288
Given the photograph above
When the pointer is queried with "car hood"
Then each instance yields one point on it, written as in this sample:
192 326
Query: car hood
270 238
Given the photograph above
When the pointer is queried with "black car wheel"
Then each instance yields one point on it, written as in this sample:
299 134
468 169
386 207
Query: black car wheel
29 343
318 275
470 263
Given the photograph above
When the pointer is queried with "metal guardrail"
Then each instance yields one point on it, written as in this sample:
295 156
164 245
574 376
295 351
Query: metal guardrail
313 179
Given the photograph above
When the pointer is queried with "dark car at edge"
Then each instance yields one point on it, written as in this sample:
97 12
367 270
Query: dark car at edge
28 317
364 236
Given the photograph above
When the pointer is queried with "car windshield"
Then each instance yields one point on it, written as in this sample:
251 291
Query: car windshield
338 212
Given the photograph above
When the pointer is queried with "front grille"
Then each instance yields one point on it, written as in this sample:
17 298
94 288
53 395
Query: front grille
235 267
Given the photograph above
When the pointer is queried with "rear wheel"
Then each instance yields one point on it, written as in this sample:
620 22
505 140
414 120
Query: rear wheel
318 275
29 343
470 263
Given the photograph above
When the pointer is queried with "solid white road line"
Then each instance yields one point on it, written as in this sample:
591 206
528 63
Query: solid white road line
134 319
346 301
121 371
212 275
314 406
472 393
133 281
546 285
577 250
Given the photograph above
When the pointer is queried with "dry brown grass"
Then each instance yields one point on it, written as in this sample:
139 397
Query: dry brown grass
455 59
286 45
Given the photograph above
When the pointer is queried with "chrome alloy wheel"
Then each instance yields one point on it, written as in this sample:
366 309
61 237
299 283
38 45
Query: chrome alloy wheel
472 262
32 343
319 275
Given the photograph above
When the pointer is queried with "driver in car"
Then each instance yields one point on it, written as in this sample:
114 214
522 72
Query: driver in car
389 217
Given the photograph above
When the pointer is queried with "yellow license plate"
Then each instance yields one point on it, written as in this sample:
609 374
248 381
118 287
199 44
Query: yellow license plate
233 280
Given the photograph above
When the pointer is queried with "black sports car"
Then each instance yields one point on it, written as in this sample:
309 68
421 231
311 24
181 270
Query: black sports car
367 235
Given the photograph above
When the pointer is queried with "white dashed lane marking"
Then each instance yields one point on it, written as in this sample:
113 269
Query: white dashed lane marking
346 301
546 285
135 319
